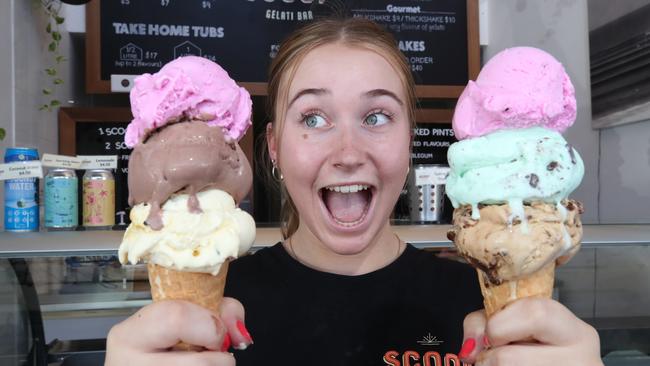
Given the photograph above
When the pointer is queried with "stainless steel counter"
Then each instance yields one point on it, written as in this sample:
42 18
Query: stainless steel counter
14 245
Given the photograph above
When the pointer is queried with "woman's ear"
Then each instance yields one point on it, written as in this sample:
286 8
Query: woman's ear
271 142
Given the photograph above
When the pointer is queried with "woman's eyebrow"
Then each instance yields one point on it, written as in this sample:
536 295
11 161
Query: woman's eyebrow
382 92
312 91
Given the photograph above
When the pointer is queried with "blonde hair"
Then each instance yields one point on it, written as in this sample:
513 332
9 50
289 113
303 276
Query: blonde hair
355 32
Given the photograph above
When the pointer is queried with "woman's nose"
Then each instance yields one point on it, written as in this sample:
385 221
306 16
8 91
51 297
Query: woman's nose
349 149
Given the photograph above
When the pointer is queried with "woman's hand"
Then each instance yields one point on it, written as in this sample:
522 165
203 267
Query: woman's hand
530 331
147 336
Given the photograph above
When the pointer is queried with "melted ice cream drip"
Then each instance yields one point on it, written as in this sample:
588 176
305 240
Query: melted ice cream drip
561 209
475 211
513 290
517 212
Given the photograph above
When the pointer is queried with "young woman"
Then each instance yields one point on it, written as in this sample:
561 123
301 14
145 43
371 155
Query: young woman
342 288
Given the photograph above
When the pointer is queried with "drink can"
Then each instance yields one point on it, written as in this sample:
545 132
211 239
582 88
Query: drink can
21 195
61 200
98 199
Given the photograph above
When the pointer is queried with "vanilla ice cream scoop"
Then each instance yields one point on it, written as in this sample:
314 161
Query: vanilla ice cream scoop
189 241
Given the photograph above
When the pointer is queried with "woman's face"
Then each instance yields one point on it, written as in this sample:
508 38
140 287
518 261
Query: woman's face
344 149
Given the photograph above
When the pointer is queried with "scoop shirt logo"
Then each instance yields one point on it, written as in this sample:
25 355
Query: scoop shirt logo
429 358
429 340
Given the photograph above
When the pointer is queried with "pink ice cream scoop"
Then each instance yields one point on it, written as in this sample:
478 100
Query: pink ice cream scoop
519 87
188 88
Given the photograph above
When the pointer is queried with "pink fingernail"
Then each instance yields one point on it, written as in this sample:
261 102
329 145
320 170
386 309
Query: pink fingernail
226 343
468 347
244 332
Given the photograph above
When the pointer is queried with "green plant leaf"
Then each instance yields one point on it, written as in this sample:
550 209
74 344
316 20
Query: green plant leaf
59 20
47 91
44 107
3 133
55 103
51 71
56 36
52 46
48 29
58 81
60 59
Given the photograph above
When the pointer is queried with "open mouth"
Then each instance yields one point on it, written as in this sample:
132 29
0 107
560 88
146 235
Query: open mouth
348 204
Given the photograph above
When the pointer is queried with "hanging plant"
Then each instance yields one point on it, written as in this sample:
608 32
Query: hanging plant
54 20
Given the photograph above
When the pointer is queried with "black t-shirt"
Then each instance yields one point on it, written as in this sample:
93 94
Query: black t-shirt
402 314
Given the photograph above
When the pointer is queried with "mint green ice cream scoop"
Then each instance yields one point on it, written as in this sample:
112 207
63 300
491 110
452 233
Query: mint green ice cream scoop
513 166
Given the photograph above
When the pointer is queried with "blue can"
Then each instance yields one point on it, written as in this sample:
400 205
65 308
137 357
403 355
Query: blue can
61 199
21 195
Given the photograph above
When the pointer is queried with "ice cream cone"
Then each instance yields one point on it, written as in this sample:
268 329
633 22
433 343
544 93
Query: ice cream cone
537 284
202 289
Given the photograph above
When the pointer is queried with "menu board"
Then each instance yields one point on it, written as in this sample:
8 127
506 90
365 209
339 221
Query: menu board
99 131
129 37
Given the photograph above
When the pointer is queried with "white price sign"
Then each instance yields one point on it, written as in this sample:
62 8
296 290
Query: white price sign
61 161
431 175
98 162
28 169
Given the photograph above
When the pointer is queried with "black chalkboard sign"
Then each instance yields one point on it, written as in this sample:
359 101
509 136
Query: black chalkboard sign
431 143
99 131
432 136
129 37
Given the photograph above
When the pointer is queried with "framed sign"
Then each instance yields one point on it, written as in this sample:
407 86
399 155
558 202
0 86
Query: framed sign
129 37
100 131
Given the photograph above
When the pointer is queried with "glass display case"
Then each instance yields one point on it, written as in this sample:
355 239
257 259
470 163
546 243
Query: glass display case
60 293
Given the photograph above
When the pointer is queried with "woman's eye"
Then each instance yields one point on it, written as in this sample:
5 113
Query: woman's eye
376 119
314 121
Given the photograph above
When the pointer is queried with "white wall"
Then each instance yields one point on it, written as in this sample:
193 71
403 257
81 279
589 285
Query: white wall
559 27
602 12
625 174
33 127
624 150
6 72
24 56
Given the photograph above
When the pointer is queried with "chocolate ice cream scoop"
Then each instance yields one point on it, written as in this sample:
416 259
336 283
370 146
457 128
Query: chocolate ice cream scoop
186 157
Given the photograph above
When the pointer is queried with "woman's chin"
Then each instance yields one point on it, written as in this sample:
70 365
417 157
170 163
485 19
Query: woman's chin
346 239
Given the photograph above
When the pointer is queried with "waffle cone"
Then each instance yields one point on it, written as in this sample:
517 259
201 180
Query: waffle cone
202 289
538 284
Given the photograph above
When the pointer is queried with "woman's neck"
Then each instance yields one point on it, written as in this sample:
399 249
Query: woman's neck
307 249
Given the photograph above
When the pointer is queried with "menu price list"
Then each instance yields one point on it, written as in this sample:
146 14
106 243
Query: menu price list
432 35
244 35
